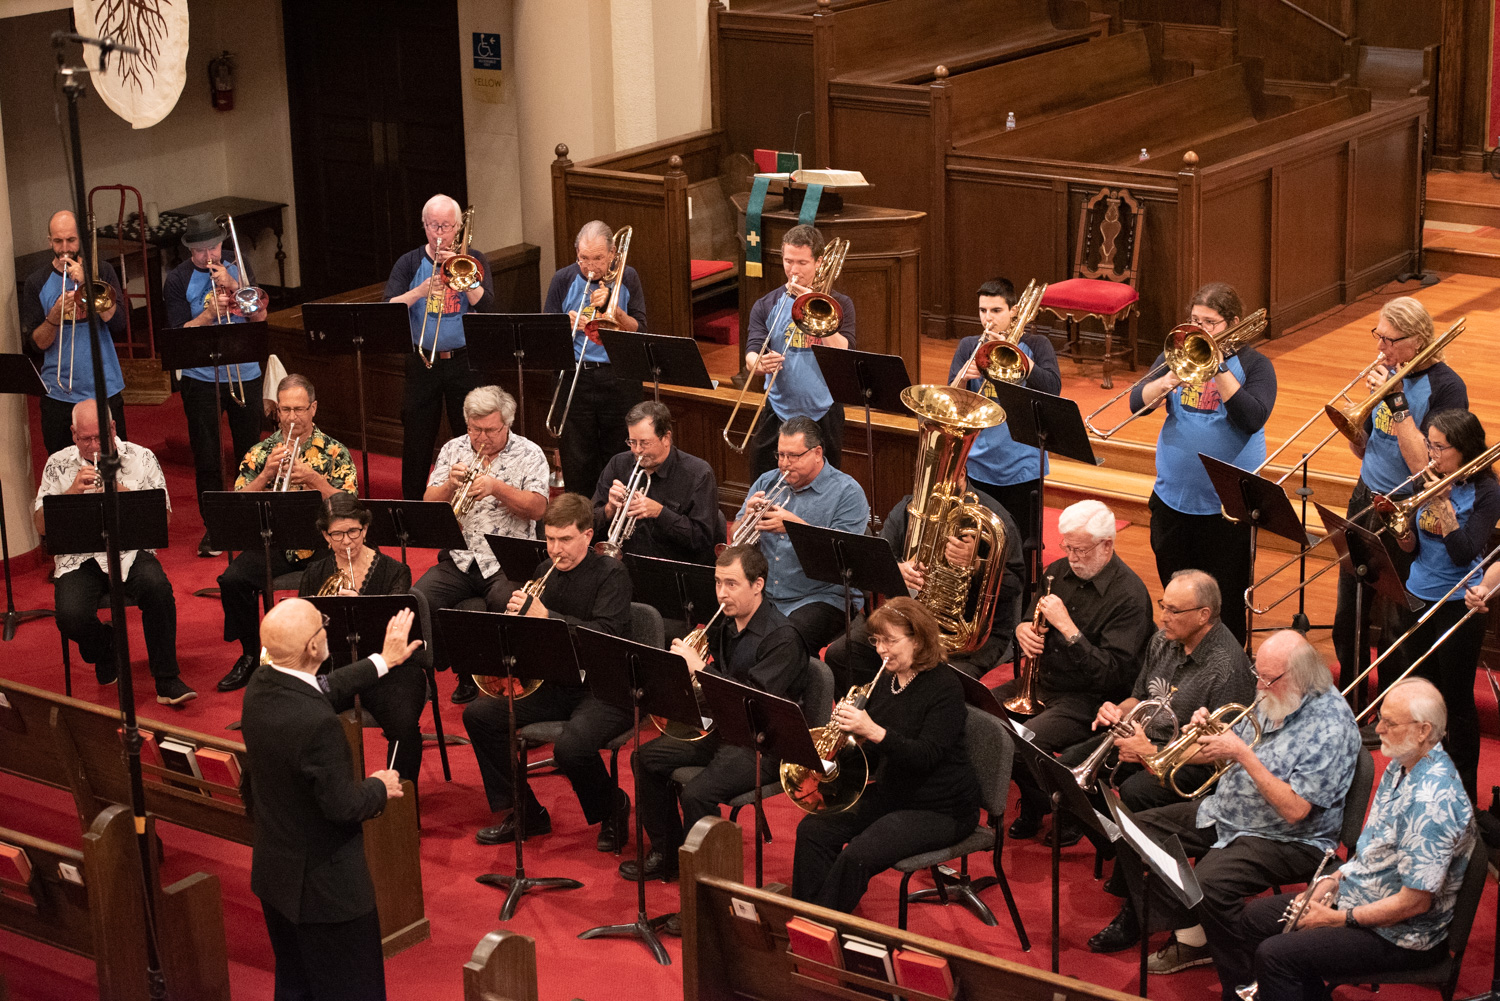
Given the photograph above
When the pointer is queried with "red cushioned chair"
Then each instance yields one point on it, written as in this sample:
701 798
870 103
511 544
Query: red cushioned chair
1102 287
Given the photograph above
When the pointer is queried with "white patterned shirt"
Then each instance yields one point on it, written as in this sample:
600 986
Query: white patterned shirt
139 470
521 464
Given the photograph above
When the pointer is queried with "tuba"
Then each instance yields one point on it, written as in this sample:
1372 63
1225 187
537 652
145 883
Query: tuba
1028 701
1143 712
1179 753
499 686
836 789
948 421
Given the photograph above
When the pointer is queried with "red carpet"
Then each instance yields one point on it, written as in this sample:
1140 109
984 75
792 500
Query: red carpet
461 911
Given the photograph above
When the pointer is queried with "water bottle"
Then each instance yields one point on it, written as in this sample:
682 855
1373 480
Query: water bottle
1010 121
1144 155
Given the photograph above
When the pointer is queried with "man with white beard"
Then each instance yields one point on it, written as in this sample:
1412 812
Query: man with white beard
1267 822
1388 909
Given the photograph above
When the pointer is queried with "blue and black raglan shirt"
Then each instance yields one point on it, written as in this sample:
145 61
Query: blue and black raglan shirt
568 292
799 389
187 293
995 457
1435 388
412 269
1443 560
67 366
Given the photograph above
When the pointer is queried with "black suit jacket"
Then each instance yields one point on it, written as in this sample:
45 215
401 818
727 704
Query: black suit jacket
309 855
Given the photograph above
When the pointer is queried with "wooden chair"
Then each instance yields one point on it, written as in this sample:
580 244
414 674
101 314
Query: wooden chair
1105 273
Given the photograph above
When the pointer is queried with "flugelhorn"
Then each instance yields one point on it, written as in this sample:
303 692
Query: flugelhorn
1179 753
835 789
1292 917
816 313
1028 701
499 686
1193 355
622 525
1144 713
1352 421
619 246
1000 359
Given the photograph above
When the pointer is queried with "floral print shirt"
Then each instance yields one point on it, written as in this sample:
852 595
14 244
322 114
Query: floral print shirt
328 458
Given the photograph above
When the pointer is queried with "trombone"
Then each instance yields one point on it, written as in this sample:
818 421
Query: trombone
1193 355
246 299
815 313
1399 515
460 273
999 358
1351 422
619 246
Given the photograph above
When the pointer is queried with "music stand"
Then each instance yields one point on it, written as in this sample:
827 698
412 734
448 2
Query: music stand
541 342
518 558
980 697
514 647
1048 424
341 328
864 379
252 519
677 590
854 562
366 616
1167 863
413 524
643 679
17 375
1066 797
215 345
767 724
656 358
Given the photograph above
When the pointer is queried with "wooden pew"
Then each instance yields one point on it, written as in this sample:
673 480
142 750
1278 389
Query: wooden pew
502 968
724 958
103 916
77 746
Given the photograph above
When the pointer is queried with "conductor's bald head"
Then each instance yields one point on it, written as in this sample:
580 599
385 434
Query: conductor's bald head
293 634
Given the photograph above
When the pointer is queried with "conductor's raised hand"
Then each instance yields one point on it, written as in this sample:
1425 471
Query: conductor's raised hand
396 648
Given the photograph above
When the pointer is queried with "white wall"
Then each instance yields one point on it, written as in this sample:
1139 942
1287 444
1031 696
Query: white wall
492 135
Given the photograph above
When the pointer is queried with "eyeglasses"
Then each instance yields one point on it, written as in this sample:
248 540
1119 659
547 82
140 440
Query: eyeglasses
1269 683
791 456
81 438
479 432
440 227
1387 342
320 629
1433 446
1207 323
598 260
635 443
294 411
1389 723
1079 552
1177 611
346 533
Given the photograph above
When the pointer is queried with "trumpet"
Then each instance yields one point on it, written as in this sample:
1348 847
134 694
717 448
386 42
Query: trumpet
815 313
1292 917
1400 515
499 686
747 530
619 246
1351 421
1028 701
999 358
836 789
1144 713
697 641
622 526
1179 753
1193 355
283 480
464 497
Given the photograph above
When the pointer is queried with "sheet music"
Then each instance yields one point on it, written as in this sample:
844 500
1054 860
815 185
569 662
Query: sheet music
1022 729
1141 841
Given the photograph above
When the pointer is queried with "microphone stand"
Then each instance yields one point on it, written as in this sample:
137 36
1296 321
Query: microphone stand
73 85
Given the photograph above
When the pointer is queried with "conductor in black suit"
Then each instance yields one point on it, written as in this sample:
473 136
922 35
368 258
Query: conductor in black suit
308 865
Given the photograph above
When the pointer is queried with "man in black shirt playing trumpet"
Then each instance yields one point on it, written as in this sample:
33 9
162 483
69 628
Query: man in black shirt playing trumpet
585 589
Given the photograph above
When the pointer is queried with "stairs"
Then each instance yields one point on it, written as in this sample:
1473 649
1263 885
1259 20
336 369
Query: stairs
1463 223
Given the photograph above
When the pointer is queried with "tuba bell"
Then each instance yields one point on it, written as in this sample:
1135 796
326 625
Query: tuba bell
948 421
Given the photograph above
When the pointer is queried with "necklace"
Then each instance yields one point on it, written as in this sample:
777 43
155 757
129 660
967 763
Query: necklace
898 690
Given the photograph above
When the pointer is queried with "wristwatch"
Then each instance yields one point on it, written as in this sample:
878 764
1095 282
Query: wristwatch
1349 921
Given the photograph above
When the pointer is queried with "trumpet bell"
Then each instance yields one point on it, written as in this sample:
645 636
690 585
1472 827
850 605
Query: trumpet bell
607 548
833 791
1002 361
498 687
817 314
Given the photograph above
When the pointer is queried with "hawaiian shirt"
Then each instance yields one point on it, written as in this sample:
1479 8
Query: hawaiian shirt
523 465
139 470
1314 749
328 458
1419 834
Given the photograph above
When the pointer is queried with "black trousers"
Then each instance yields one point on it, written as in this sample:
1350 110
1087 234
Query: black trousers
853 660
1020 499
429 393
1243 868
77 595
837 854
202 409
1064 721
396 702
727 772
1291 967
335 961
595 430
57 421
1451 668
591 725
763 441
1393 621
240 587
444 585
818 623
1207 542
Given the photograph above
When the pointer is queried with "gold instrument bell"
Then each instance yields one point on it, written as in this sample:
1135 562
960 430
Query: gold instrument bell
499 686
836 789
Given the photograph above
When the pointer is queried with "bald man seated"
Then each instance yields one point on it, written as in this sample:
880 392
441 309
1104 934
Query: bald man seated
57 338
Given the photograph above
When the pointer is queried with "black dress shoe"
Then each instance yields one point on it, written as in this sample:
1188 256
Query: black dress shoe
105 671
1026 825
239 674
657 867
505 832
1121 933
1064 832
205 549
614 831
466 691
673 924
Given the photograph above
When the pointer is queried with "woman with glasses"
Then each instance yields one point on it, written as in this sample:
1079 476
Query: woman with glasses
1450 535
1396 449
1224 418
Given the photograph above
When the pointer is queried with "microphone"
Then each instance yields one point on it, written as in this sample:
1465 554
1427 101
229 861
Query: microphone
105 45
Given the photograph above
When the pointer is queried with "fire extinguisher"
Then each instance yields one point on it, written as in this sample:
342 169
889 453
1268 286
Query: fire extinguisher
221 81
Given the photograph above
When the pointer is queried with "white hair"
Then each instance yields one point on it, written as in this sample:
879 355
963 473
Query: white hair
440 203
1089 516
486 400
1425 703
593 230
88 407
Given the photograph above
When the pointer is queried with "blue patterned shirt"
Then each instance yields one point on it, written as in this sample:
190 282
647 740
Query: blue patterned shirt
833 499
1314 749
1420 831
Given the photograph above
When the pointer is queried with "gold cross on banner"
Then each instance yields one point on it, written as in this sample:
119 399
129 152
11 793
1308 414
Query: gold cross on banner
753 238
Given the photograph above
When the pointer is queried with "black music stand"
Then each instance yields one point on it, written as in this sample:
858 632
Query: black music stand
264 520
342 328
365 618
767 724
216 345
413 524
518 558
679 591
980 697
1167 863
1067 797
854 562
540 342
17 375
514 647
656 358
1049 424
864 379
644 680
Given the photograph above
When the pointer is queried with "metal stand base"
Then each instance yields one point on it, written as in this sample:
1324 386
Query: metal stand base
518 885
643 928
14 619
961 888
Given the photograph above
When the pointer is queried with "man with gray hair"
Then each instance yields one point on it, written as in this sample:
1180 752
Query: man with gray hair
596 418
506 497
1269 819
1388 908
437 371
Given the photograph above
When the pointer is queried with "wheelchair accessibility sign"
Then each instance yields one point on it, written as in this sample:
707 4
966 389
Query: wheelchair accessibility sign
486 50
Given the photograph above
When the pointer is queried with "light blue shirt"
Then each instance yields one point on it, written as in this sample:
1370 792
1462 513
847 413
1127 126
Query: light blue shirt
577 298
199 291
1434 573
1198 422
832 500
450 332
68 364
996 457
